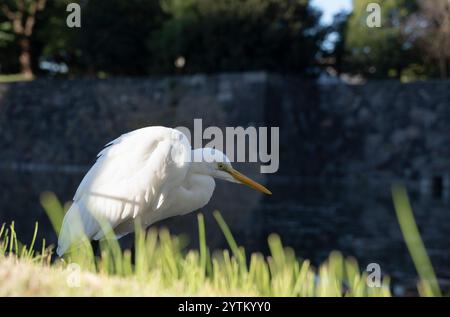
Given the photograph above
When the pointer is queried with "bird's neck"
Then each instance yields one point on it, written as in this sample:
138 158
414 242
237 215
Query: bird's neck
198 164
200 168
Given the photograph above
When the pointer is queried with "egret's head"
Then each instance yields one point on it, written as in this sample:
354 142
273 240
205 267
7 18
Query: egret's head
218 165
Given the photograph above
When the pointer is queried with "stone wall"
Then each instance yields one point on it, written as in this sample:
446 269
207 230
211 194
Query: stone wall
335 134
377 131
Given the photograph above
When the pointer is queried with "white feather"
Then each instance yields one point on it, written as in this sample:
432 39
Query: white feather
129 178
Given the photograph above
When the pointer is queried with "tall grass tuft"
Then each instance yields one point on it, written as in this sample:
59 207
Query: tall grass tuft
161 260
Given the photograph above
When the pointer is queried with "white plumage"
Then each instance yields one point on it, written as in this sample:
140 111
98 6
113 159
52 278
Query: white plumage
147 174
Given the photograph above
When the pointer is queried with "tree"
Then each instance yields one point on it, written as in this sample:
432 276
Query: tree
429 28
54 44
114 35
236 35
21 14
336 54
378 51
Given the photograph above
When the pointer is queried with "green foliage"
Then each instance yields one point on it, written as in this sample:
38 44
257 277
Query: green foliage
6 35
379 52
8 50
138 37
53 40
114 34
142 37
234 35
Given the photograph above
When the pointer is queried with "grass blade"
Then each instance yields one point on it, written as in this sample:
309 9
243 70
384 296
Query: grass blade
414 243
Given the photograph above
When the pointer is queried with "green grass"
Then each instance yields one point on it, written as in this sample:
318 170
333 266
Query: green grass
161 266
12 78
428 285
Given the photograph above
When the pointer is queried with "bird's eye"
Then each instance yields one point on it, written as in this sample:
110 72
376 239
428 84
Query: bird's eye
221 166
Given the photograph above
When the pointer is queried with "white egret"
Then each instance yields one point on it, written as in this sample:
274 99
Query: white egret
147 174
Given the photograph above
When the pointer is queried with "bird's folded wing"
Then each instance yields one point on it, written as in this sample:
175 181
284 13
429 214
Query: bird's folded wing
129 178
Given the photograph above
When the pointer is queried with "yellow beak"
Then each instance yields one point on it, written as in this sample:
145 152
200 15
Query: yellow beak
247 181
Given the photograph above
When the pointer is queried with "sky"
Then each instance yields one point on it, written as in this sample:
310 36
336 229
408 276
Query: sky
331 7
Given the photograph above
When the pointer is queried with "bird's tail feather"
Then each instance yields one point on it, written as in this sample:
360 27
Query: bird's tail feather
78 225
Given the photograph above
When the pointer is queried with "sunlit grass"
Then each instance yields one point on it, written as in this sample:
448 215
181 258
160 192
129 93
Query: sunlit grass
160 261
13 78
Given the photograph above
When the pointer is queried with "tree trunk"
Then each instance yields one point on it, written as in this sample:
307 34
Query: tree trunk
25 58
